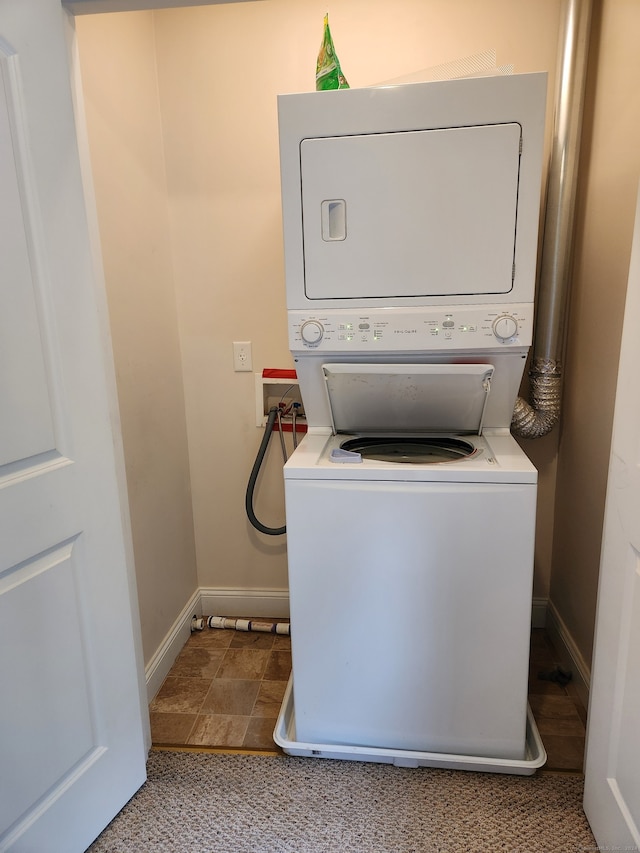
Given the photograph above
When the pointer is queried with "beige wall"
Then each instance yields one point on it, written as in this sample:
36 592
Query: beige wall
610 171
123 118
219 70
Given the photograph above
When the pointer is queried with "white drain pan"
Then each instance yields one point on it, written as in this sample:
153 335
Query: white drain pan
285 736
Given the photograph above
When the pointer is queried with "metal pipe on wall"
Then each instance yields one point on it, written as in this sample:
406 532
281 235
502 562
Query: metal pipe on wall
537 418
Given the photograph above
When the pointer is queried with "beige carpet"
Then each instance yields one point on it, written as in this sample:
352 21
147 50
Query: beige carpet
262 804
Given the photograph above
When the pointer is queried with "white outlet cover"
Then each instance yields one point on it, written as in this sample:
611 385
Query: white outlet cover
242 360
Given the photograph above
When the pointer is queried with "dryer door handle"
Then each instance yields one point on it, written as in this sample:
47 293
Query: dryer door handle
334 219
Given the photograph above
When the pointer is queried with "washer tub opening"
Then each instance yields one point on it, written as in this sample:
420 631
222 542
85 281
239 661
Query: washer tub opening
421 450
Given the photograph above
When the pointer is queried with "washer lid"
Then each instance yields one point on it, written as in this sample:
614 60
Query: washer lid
407 398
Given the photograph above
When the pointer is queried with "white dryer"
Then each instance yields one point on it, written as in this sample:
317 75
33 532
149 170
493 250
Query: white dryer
410 218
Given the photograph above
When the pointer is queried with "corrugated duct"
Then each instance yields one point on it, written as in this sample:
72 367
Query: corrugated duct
537 418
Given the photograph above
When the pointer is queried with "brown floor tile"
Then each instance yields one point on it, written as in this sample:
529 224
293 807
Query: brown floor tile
541 648
564 753
219 730
281 643
278 666
231 696
197 662
574 695
545 705
568 724
562 727
181 695
211 638
269 699
239 706
542 685
260 733
171 728
558 713
243 663
251 640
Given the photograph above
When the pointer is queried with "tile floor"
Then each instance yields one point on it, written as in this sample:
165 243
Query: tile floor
225 689
559 714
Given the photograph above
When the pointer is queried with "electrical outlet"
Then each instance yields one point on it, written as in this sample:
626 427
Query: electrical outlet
242 356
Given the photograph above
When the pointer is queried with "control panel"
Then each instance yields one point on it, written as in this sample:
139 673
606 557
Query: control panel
396 330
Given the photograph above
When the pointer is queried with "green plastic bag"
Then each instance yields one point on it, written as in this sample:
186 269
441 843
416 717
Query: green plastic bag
328 72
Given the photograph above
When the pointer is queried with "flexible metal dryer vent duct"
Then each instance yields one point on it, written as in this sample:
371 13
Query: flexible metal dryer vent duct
535 419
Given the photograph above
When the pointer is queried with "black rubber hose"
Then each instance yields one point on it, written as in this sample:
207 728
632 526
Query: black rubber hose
270 531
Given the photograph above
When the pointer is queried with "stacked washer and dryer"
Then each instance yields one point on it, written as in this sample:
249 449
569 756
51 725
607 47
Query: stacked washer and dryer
411 224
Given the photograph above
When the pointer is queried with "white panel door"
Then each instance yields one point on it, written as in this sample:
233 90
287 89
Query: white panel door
72 723
612 768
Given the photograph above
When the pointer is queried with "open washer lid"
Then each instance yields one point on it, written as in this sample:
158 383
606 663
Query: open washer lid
407 398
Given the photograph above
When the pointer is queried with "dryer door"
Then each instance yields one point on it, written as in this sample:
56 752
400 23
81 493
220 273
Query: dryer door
412 213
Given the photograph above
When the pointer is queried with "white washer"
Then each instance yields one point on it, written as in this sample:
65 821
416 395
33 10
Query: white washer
410 219
410 590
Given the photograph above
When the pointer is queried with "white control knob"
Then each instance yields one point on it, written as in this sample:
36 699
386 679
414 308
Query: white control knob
311 332
505 327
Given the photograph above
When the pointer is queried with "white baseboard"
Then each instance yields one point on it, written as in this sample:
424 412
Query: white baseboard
245 602
158 667
211 602
571 657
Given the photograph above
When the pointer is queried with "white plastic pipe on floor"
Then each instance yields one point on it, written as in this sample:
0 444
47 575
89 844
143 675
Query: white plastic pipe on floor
198 623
